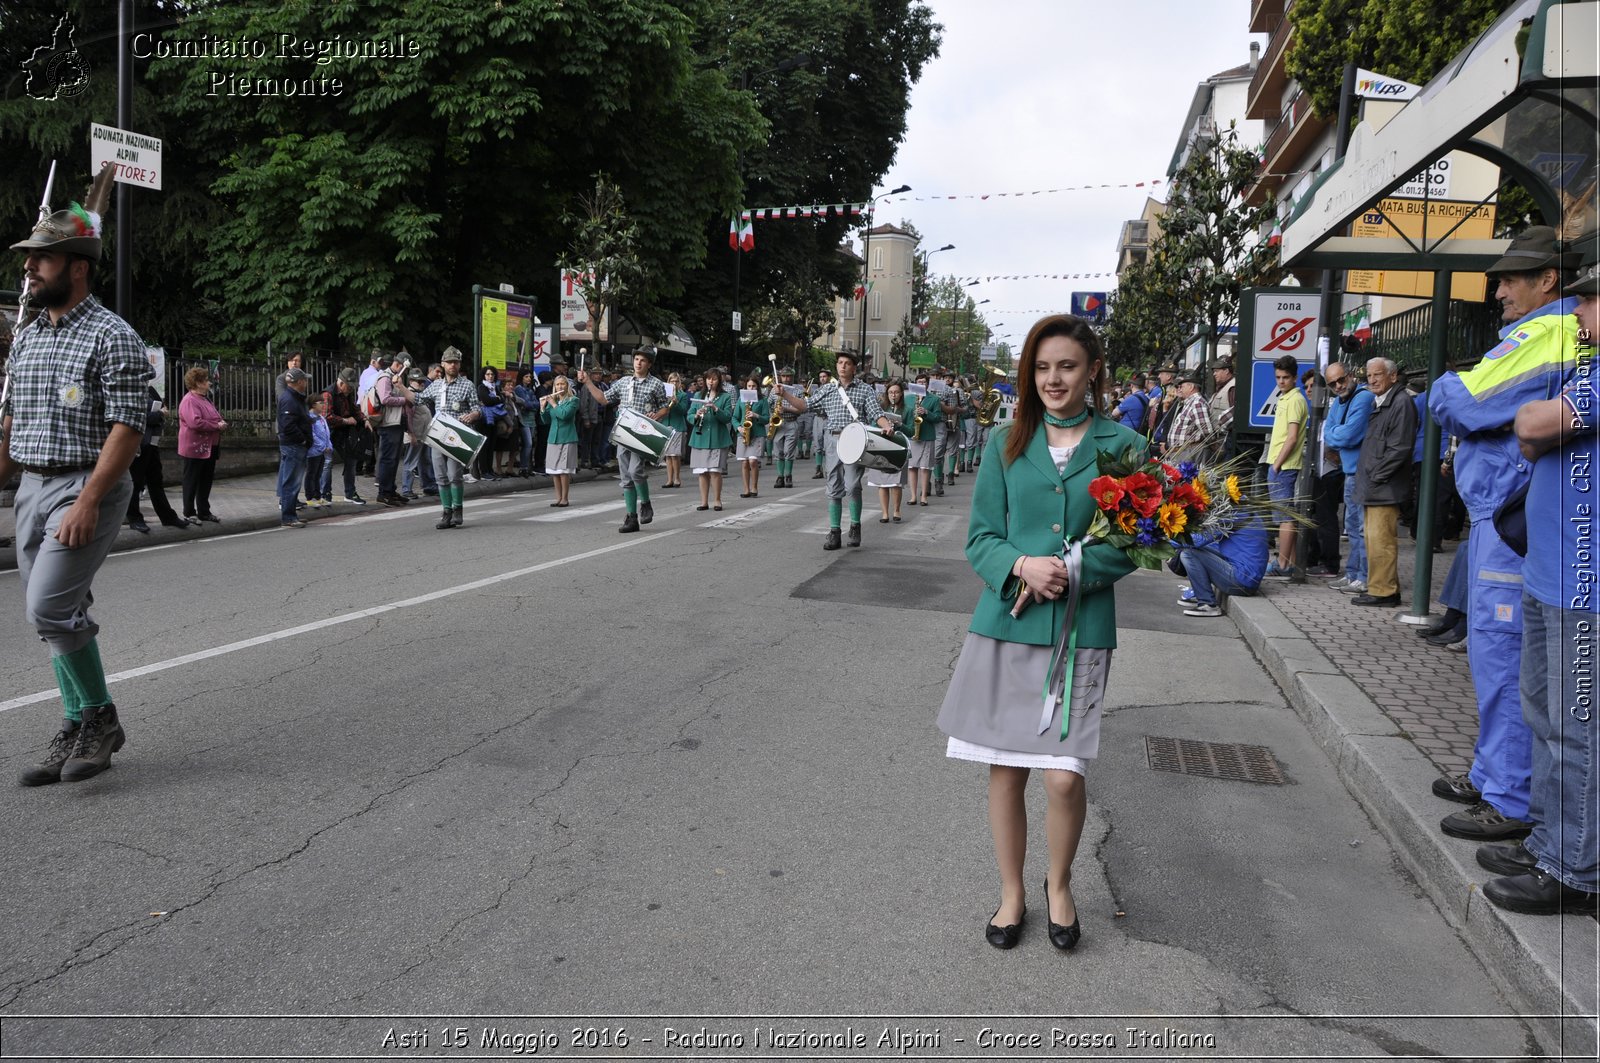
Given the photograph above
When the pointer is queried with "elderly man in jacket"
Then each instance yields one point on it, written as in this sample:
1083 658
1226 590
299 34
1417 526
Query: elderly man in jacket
1343 432
1383 479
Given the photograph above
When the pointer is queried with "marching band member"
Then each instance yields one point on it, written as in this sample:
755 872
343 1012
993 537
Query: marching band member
710 436
819 424
891 485
677 419
944 448
783 444
559 412
748 454
843 403
457 396
923 439
641 393
1030 495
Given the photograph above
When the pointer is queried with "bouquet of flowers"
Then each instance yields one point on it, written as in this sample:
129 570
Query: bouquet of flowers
1150 509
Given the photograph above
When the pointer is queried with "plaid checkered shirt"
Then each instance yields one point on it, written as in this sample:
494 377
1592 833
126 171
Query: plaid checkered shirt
70 382
1191 424
830 402
456 397
641 396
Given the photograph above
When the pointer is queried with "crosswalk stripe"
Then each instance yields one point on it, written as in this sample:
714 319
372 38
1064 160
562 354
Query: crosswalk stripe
759 515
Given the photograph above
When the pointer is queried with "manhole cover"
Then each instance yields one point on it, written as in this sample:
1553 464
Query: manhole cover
1214 760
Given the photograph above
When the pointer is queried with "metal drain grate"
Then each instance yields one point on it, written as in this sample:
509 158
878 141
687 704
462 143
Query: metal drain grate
1213 760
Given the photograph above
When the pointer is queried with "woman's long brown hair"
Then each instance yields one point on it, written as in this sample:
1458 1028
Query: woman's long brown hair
1030 408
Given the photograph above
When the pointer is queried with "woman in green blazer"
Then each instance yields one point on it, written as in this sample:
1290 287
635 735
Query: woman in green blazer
559 412
677 419
710 437
748 455
1032 492
920 460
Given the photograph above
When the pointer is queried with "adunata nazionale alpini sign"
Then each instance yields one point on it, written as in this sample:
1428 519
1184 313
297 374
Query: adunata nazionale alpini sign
283 48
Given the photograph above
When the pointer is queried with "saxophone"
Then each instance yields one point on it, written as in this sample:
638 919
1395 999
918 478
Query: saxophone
989 405
916 425
748 424
775 422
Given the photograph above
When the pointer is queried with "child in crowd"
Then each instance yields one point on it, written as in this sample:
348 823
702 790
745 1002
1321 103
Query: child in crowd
320 452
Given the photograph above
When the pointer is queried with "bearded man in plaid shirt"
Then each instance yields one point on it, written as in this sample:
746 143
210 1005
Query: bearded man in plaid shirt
72 421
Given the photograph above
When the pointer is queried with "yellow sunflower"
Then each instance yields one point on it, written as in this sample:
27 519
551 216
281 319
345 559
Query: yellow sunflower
1202 490
1171 518
1127 521
1232 486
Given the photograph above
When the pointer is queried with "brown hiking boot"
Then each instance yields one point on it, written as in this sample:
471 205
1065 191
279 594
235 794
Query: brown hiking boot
100 736
48 770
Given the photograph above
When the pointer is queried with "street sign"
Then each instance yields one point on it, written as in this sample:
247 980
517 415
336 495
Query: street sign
988 353
738 321
1276 322
137 157
920 356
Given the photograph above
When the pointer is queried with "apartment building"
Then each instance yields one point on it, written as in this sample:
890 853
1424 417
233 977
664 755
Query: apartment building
888 253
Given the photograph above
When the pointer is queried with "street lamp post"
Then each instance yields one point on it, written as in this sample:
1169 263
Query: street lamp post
866 263
916 294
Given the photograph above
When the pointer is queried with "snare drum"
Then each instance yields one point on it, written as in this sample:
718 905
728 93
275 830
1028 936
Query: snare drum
860 445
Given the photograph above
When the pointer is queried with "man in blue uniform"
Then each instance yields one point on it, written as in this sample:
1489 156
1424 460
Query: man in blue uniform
1559 867
1534 357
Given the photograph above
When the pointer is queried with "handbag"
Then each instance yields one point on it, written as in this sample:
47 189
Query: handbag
502 427
1511 519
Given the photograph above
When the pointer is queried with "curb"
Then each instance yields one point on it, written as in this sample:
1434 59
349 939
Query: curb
1389 776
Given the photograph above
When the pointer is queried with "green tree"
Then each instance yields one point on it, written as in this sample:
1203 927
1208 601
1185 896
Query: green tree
1140 323
1407 39
956 330
1210 244
604 256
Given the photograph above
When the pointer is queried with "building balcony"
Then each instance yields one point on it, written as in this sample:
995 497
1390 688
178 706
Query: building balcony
1297 131
1265 15
1266 87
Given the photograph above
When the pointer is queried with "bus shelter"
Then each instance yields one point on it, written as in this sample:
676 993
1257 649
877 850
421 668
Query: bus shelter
1525 96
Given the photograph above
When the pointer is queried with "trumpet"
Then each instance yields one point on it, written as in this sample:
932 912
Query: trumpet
989 405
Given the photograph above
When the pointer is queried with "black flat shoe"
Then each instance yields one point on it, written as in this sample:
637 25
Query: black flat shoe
1064 938
883 520
702 508
717 507
1537 893
1005 937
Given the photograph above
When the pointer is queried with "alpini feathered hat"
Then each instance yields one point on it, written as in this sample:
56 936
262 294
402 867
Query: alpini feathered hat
78 229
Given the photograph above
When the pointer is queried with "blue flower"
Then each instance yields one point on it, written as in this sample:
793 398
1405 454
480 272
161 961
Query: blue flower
1146 525
1144 538
1188 470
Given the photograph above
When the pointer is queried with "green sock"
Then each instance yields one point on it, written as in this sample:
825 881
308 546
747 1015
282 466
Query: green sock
644 490
87 675
630 498
785 467
834 509
456 494
855 511
446 493
819 460
71 699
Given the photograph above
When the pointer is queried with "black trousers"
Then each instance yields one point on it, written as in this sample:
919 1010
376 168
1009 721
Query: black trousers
1326 494
197 476
347 442
146 471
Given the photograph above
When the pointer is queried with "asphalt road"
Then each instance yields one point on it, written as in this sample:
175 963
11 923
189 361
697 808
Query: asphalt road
532 769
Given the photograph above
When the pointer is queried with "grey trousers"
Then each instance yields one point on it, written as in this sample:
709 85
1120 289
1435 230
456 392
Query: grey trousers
786 441
943 446
446 470
632 467
55 580
842 479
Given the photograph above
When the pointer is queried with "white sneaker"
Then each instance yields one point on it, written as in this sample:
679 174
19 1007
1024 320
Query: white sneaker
1339 584
1355 586
469 478
1204 609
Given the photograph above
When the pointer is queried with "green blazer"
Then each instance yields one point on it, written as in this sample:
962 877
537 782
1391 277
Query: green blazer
562 417
932 414
1026 508
713 432
678 412
763 410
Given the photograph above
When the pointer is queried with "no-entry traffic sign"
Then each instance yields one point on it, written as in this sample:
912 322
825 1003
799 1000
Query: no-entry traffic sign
1288 333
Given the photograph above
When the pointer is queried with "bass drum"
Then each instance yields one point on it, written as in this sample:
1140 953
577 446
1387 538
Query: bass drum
860 445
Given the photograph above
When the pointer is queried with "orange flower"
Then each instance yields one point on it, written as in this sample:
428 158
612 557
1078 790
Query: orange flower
1107 492
1127 522
1172 519
1203 491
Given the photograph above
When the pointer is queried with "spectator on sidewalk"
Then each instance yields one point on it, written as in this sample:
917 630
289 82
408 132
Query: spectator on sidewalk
319 452
1189 430
527 393
396 399
1134 409
377 363
416 467
1558 869
1222 406
1233 563
1343 432
294 440
1479 407
347 427
1383 479
1283 458
494 408
146 471
200 429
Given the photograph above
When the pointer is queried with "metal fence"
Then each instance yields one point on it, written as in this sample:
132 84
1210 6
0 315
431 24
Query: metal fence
248 391
1471 328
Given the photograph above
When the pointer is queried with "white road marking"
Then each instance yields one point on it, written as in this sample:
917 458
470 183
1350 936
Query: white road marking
343 618
931 527
749 517
353 520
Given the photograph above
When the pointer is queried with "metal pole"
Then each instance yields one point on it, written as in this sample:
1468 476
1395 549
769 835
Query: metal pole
866 272
124 267
1428 486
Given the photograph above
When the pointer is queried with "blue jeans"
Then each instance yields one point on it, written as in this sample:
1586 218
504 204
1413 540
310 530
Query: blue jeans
291 471
526 462
1211 574
1558 702
1355 554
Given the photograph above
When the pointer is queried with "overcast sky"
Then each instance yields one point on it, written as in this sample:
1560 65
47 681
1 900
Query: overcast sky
1037 94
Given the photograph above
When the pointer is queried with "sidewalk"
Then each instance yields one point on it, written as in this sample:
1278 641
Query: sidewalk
1393 712
250 503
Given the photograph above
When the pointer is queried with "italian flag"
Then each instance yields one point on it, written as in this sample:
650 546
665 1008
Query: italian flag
742 232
